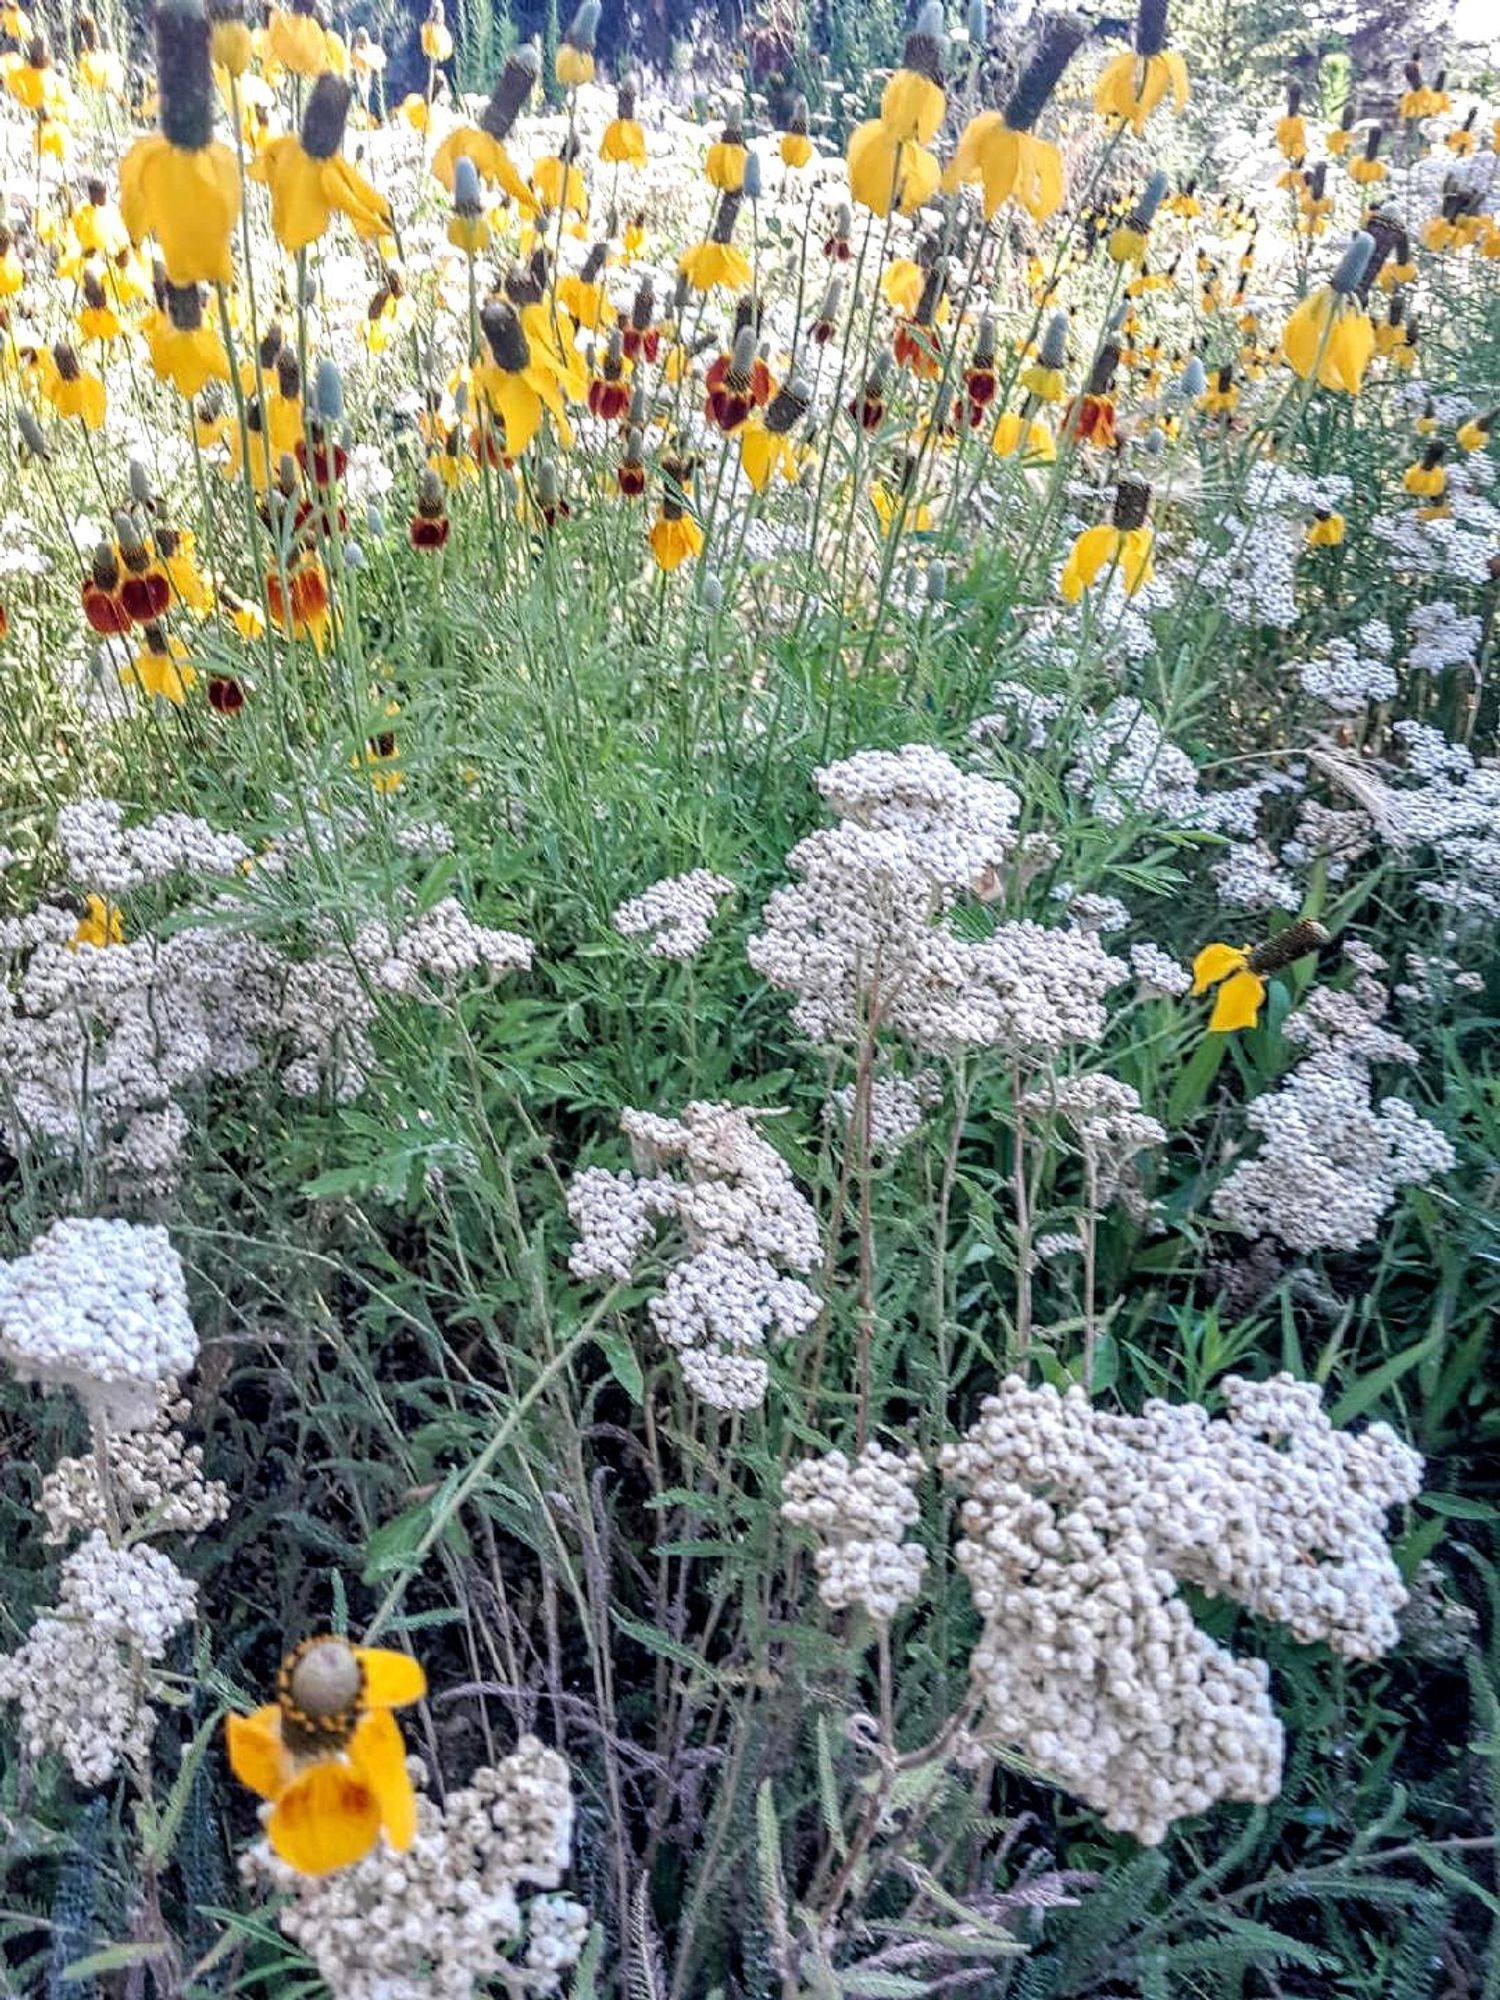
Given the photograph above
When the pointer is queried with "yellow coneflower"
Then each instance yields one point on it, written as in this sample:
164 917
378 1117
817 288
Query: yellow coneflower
310 179
1326 529
1475 434
484 143
999 148
298 599
1341 138
1427 478
1367 169
1021 435
71 389
558 180
231 45
675 536
1291 129
298 40
97 318
1043 378
765 438
893 503
1134 84
1417 101
574 63
101 925
98 224
889 164
1127 241
1221 398
1330 334
436 41
1460 141
181 185
727 156
518 380
1124 545
716 261
623 143
795 147
328 1754
160 670
1240 972
99 68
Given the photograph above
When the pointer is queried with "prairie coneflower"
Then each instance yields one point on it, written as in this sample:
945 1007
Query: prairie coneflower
737 383
160 670
296 37
558 182
437 42
1018 434
102 605
1460 141
231 44
727 157
915 343
574 63
99 68
1291 129
1127 240
71 389
1341 138
98 224
1134 84
1314 202
889 164
101 925
795 147
1240 972
484 143
181 185
1326 529
1426 479
1221 397
609 392
1330 335
716 261
582 295
999 148
1417 100
630 478
328 1753
310 179
867 407
1091 417
1043 378
429 527
145 589
517 382
980 380
298 598
183 350
1125 544
765 440
675 536
1474 435
624 143
893 499
97 318
177 549
1368 169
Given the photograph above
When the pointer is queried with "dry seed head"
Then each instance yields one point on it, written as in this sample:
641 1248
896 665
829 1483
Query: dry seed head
1061 36
184 74
508 99
1295 942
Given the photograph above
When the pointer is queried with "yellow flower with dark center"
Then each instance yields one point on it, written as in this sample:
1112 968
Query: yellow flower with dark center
1133 84
1025 437
437 43
574 62
1367 169
1240 972
99 225
885 172
181 185
178 550
795 147
1326 529
1012 166
1426 479
231 45
727 158
160 670
1291 130
101 925
97 318
623 143
559 183
298 40
1330 335
71 389
328 1754
520 379
1475 434
310 179
1124 545
765 440
484 143
716 261
675 536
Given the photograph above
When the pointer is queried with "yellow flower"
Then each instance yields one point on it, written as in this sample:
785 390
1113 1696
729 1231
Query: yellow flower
1013 166
160 670
1108 548
573 67
1241 993
71 389
491 162
101 925
437 43
1134 84
298 40
1475 434
796 149
188 198
675 537
623 143
1026 437
886 171
1291 136
560 184
912 106
328 1754
231 44
1326 529
1329 333
725 164
1427 479
309 177
523 376
183 350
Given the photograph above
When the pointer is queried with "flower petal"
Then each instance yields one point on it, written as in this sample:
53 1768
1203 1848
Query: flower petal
1216 962
257 1756
1240 999
391 1679
378 1754
325 1819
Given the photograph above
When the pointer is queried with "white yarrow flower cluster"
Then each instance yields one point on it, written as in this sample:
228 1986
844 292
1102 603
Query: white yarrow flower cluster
448 1916
674 915
156 1482
1127 769
1080 1526
100 1307
746 1226
858 1514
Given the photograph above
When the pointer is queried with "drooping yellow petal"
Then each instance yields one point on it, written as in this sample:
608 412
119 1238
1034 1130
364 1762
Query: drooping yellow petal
1238 1002
391 1679
1216 962
326 1818
911 106
1302 336
257 1755
379 1756
348 189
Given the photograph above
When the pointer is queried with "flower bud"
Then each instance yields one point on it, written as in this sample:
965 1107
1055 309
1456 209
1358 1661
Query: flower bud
328 391
467 200
1054 349
753 184
1353 264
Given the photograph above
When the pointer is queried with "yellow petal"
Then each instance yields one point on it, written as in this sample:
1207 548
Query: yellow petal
391 1679
379 1756
1240 999
1216 962
257 1755
325 1819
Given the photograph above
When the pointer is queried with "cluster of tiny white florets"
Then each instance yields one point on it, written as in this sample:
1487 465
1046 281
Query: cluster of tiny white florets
1441 637
1078 1529
898 1107
860 937
156 1482
676 914
1127 769
1157 973
442 945
1345 678
746 1225
858 1514
445 1918
100 1307
108 858
1105 1116
1247 877
1332 1160
82 1677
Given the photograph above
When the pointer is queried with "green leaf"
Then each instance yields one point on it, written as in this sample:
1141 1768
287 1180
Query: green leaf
1370 1388
113 1958
1197 1076
623 1365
